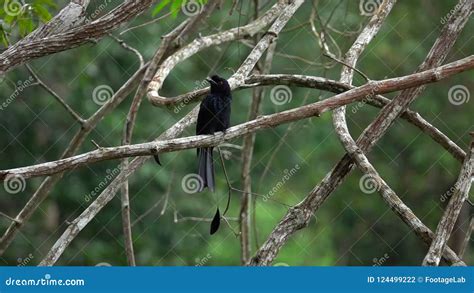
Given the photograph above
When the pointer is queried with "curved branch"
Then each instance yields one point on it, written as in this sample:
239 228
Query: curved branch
201 43
300 215
267 121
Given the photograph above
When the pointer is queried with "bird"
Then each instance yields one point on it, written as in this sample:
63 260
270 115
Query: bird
213 116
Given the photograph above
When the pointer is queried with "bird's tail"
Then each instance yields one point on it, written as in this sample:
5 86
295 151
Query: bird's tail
206 168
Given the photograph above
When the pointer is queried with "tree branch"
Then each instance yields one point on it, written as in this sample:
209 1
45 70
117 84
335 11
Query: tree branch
44 42
300 215
446 224
267 121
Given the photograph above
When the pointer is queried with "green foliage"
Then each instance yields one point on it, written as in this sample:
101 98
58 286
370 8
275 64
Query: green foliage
176 6
17 19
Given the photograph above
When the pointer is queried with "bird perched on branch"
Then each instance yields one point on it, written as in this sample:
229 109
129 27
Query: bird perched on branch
214 116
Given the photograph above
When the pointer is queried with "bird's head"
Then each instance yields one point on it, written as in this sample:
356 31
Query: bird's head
219 85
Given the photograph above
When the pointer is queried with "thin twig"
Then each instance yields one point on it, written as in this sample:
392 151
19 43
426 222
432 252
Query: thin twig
58 98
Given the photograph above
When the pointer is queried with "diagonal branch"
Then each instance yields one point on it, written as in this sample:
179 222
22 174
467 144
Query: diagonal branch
44 42
363 163
174 131
47 185
446 224
262 122
300 215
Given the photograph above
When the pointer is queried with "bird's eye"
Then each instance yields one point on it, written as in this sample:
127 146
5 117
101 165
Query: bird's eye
220 82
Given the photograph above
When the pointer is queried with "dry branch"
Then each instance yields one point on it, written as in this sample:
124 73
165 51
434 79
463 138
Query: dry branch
45 43
172 132
300 215
266 121
446 224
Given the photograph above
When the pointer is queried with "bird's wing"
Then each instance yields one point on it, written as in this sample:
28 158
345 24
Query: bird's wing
205 124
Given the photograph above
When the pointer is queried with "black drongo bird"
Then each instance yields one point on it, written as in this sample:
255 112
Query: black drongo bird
214 116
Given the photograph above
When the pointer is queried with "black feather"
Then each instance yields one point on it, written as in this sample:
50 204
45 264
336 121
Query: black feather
214 116
216 222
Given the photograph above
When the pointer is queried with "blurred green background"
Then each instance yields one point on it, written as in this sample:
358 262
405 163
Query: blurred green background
351 228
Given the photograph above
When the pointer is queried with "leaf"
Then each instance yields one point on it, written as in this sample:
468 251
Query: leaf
3 36
216 221
160 7
175 7
42 12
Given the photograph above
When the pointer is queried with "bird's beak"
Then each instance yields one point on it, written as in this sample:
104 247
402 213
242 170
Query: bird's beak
210 81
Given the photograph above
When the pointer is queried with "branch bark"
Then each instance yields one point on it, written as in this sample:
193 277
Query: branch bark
267 121
58 37
446 224
300 215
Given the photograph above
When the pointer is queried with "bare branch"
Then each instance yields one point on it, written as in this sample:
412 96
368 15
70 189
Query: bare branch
446 224
267 121
39 45
299 216
205 42
467 238
108 194
48 184
58 98
247 152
